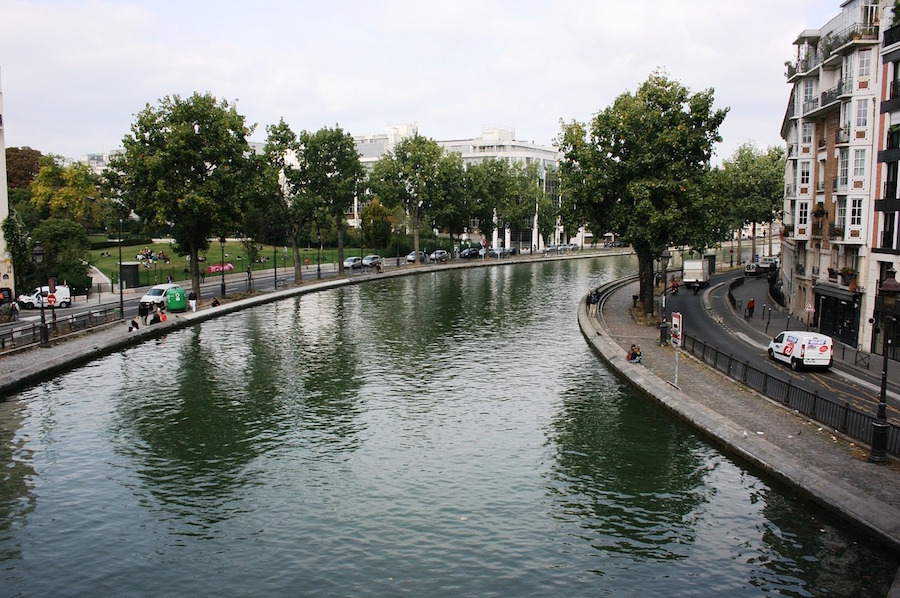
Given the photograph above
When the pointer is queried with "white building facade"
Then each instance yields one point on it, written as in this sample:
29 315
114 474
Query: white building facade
496 142
832 130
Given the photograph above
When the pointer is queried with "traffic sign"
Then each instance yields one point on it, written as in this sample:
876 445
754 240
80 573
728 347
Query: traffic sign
809 307
51 299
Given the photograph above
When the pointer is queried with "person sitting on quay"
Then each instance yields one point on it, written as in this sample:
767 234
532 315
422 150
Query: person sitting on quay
635 355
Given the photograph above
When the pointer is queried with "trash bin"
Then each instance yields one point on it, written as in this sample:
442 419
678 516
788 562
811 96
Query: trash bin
176 300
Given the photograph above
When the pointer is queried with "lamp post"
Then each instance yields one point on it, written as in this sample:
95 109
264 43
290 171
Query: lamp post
319 257
887 298
275 263
222 246
121 299
37 254
664 257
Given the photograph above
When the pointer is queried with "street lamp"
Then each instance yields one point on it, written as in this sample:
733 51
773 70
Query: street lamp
121 299
222 246
664 258
887 298
319 257
37 254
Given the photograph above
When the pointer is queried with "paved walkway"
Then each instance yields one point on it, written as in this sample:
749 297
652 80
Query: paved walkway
829 469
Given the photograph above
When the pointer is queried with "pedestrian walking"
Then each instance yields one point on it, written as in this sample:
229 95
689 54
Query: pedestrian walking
751 305
192 300
14 311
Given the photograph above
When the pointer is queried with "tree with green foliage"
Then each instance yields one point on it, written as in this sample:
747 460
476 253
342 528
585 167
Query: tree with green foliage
292 208
451 212
186 162
330 173
375 225
15 233
66 247
62 189
753 185
641 170
490 183
407 177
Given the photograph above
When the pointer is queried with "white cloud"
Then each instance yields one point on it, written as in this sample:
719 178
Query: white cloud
74 73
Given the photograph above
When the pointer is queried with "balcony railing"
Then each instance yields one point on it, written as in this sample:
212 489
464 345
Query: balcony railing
890 190
895 89
810 105
842 135
790 190
793 150
892 35
831 96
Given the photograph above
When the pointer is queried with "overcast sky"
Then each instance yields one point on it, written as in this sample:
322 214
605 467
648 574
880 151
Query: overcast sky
74 73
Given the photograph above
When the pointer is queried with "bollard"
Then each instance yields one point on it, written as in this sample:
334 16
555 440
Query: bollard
634 300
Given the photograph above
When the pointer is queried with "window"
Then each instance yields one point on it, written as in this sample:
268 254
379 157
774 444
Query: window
840 218
865 62
804 173
802 213
807 90
856 212
862 112
859 163
807 133
843 168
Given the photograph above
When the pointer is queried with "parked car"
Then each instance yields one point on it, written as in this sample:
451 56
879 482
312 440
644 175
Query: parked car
411 258
752 269
354 263
156 296
371 261
470 253
439 255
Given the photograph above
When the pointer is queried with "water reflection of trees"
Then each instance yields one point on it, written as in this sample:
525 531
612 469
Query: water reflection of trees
625 475
16 498
194 430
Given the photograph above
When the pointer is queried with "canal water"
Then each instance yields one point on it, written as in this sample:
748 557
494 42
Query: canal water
447 433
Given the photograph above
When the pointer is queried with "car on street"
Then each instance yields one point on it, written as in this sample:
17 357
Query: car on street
470 253
370 261
439 255
411 258
157 297
752 269
354 263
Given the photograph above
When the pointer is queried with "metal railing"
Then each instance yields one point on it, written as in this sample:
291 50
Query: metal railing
30 334
839 416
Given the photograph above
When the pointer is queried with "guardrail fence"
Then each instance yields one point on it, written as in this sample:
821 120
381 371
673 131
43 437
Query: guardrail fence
31 334
838 416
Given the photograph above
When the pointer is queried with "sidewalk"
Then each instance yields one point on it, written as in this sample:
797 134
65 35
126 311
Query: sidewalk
827 468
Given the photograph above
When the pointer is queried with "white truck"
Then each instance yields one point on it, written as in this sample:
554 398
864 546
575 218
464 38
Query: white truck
62 297
695 274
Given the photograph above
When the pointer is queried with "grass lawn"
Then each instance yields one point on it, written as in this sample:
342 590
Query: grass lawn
107 260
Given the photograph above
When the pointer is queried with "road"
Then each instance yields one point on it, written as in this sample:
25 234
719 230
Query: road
721 327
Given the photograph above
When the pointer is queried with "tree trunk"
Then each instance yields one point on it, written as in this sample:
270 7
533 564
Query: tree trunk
645 275
295 248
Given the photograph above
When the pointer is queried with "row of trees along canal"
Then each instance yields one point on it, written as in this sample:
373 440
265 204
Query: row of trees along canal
641 170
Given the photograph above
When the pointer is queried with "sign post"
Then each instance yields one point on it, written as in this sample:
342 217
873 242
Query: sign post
676 339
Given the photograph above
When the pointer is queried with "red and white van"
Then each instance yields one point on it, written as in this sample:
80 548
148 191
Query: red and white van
802 349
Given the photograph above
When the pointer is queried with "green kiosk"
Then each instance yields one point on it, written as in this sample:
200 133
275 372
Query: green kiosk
176 299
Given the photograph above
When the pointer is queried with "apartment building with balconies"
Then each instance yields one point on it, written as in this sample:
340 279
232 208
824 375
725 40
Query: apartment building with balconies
886 215
831 130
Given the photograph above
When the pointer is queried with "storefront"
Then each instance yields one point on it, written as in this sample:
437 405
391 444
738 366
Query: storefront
837 313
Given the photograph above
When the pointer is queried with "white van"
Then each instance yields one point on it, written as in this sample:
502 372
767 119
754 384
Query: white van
802 349
62 297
